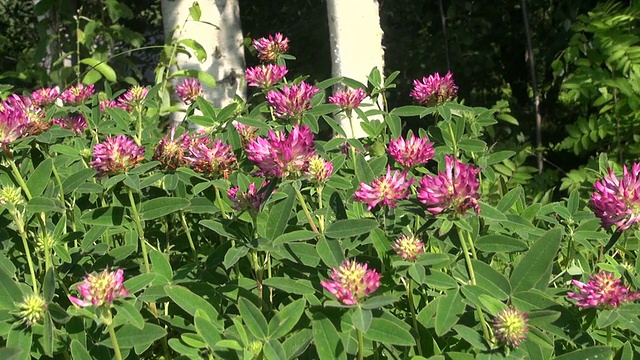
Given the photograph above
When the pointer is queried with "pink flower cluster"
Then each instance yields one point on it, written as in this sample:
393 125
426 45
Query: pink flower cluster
19 117
408 247
283 155
434 89
271 47
78 94
319 170
101 289
200 153
189 90
249 200
348 99
387 189
116 155
616 201
602 290
127 101
265 76
246 132
45 96
411 152
456 189
292 101
75 123
351 282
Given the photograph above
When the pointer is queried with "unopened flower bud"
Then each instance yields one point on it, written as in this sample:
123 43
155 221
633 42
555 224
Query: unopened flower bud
31 309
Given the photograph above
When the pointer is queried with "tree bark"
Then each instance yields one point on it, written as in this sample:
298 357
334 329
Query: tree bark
219 31
356 43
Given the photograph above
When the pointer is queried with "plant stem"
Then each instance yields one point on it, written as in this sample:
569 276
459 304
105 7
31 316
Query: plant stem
143 242
413 313
360 344
20 179
472 277
454 143
114 340
17 217
183 220
306 210
609 337
219 202
320 205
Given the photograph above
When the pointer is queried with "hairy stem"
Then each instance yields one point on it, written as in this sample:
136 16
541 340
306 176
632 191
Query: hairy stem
303 203
138 221
19 221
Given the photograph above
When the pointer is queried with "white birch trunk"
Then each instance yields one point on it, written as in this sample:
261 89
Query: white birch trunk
356 43
222 43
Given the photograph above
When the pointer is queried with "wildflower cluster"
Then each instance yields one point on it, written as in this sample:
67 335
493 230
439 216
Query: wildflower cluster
616 201
101 289
602 290
351 282
271 47
434 89
510 327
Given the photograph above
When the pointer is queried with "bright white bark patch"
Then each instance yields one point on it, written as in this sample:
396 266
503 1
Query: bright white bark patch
222 43
356 42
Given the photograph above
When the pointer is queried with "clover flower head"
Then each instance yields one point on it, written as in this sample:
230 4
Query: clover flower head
616 201
434 89
282 155
247 132
75 123
387 189
101 289
348 99
44 240
456 189
510 327
249 200
189 90
292 101
319 169
31 309
271 47
133 97
351 282
12 195
411 152
602 290
77 95
104 104
170 152
116 155
265 76
212 158
45 96
408 247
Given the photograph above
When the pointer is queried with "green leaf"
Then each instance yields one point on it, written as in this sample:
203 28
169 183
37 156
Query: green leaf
158 207
361 318
409 110
49 285
296 344
20 337
388 332
40 177
330 252
253 319
279 214
489 212
102 67
291 286
198 50
189 301
285 319
139 282
379 301
471 336
350 227
9 291
42 204
363 170
509 199
326 339
209 333
273 350
78 351
104 216
491 280
450 308
500 243
131 315
48 339
395 125
129 336
161 265
534 268
73 181
297 235
594 352
195 11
